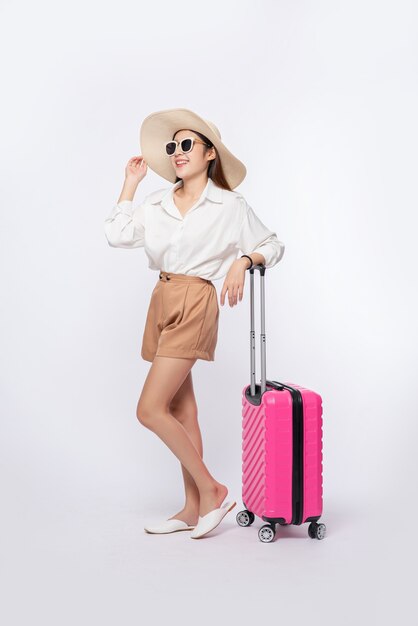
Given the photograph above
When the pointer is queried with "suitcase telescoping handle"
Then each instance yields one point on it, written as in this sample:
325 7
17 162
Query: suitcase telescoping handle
262 269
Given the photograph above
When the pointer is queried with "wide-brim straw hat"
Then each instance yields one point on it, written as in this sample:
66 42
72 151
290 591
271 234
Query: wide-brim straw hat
159 127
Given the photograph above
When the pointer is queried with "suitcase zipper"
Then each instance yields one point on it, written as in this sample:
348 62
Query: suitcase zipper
297 465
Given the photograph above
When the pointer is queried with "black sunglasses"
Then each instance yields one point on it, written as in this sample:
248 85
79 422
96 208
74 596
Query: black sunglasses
186 145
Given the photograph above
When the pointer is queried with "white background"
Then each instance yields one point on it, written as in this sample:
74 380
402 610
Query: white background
319 100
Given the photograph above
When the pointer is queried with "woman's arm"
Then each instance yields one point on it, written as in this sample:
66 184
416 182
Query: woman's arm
256 257
257 240
125 226
260 243
128 190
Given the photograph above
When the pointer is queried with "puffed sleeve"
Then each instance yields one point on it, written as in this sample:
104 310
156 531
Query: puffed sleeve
254 236
125 226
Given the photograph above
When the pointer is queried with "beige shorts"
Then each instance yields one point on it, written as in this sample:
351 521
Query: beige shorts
182 318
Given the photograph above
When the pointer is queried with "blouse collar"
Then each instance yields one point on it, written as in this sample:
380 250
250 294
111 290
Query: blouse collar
212 192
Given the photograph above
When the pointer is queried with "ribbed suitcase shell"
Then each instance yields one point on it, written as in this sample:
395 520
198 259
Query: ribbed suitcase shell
269 476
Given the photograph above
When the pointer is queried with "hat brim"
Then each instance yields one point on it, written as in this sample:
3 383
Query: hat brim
159 127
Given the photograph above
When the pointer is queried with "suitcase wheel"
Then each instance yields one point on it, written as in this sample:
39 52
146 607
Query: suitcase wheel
316 531
267 533
245 518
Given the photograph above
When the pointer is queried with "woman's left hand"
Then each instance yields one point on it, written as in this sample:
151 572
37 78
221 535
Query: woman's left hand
234 282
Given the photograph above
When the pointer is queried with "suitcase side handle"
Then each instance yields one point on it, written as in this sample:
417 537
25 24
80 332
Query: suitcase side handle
262 269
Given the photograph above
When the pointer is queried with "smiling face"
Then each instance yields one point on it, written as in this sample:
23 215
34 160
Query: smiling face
190 164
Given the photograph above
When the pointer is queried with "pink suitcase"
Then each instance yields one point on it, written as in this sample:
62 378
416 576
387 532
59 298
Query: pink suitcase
281 447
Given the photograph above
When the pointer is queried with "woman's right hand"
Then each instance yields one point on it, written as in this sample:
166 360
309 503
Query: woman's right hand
136 169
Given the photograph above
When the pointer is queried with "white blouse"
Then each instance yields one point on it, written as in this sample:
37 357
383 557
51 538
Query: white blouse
204 242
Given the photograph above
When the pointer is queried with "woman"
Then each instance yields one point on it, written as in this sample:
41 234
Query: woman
191 233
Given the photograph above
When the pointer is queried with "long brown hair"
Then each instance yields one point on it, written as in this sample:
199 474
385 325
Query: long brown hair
215 170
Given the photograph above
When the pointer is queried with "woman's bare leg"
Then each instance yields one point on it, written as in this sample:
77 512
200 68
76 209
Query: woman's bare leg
165 377
184 408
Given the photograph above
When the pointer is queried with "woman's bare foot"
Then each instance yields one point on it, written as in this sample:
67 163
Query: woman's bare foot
188 514
212 499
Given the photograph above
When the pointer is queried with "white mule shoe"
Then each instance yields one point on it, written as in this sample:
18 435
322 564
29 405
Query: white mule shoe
212 519
168 526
